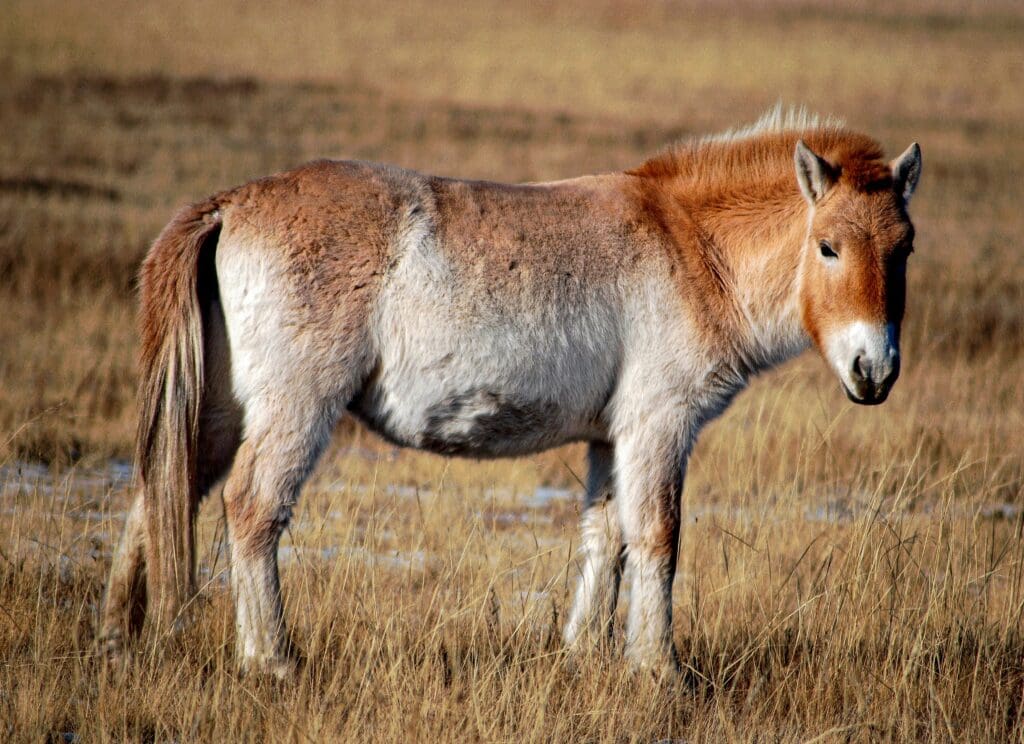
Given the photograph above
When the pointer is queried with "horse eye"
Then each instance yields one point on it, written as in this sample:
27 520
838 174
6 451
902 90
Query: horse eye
826 249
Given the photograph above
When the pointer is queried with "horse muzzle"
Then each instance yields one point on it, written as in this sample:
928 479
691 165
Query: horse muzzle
866 359
867 388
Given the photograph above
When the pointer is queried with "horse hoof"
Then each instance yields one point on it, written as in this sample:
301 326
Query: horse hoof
280 668
663 668
110 646
285 669
112 655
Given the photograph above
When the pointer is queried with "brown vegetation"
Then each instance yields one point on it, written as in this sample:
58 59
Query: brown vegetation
848 574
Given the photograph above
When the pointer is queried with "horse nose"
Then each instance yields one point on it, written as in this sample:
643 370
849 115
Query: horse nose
872 378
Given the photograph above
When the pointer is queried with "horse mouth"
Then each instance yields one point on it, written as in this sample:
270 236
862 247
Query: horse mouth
873 396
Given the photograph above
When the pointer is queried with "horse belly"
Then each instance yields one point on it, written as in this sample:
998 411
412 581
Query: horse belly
483 366
480 423
490 394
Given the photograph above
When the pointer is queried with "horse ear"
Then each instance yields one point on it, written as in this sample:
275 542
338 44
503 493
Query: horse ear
814 174
906 171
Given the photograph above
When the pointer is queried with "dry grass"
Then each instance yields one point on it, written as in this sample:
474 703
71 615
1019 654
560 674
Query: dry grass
848 574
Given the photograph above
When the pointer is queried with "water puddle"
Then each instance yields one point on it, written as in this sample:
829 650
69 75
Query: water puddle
82 496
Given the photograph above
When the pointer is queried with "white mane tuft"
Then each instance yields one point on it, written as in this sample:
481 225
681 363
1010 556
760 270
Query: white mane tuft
778 119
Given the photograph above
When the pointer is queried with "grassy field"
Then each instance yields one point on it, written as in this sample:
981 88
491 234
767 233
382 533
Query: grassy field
846 574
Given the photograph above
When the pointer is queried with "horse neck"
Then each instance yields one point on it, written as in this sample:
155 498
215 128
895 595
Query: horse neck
749 237
758 235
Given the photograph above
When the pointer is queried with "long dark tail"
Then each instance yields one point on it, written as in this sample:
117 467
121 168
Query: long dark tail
170 392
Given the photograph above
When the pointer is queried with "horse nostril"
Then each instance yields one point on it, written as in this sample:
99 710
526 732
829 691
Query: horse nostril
861 368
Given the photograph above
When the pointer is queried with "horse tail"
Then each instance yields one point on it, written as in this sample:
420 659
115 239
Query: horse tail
170 392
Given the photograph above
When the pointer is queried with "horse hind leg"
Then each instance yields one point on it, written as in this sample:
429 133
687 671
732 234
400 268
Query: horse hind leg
281 446
124 606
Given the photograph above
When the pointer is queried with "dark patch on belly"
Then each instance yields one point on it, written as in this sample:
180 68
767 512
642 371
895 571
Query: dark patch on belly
488 424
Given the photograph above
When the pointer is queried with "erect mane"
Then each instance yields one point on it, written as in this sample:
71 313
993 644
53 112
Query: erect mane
777 120
760 149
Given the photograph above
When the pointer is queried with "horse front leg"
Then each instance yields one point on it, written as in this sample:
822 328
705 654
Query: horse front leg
590 622
650 466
